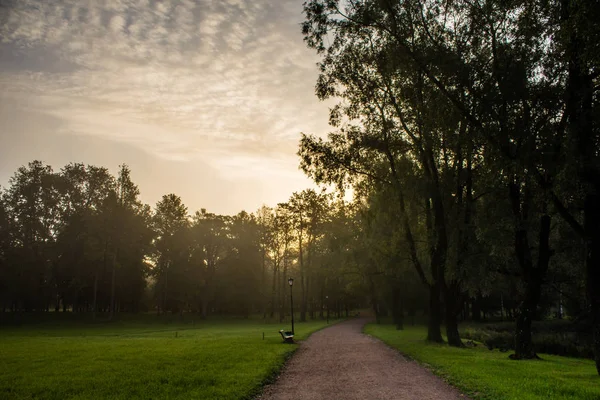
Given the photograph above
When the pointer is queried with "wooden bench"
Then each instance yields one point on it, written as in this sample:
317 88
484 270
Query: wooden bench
288 337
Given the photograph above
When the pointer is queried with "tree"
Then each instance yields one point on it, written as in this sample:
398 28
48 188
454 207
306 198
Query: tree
241 271
170 222
518 92
210 235
128 235
388 125
307 209
283 238
83 191
32 206
80 240
6 271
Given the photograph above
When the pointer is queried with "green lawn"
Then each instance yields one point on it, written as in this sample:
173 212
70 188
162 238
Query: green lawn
210 360
485 374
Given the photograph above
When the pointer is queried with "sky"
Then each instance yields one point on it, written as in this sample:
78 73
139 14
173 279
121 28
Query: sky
202 98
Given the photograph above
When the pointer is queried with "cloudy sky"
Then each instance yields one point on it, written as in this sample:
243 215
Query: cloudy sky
202 98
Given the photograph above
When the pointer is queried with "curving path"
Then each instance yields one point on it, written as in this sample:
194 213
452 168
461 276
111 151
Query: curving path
341 362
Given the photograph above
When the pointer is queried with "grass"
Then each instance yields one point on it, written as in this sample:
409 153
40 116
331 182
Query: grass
212 360
484 374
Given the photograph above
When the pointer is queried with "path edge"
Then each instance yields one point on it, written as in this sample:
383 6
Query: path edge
467 393
271 378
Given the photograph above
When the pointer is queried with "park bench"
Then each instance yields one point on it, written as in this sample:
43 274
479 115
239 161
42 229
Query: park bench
288 337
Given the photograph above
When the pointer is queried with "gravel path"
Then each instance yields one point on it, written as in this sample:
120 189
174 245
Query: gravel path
340 362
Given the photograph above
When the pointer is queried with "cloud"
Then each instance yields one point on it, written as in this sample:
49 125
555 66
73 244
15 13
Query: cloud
229 81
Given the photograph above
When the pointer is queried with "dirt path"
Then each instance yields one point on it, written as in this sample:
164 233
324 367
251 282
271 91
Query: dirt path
340 362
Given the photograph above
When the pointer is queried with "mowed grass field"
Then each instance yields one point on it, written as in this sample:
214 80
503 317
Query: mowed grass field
207 360
485 374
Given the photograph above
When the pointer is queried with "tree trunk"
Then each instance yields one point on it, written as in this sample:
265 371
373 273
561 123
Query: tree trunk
523 341
438 245
592 229
580 92
397 308
321 303
452 292
306 297
274 291
264 284
375 310
412 312
113 288
476 308
524 348
204 306
282 291
453 308
374 302
302 299
211 269
94 303
434 330
302 272
165 288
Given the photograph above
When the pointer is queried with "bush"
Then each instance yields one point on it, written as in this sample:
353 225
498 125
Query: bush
491 339
568 344
560 338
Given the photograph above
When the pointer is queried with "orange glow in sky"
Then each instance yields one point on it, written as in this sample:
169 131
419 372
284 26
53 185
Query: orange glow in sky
205 99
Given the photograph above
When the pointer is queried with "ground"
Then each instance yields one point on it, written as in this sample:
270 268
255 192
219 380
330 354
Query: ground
341 362
485 374
207 360
229 359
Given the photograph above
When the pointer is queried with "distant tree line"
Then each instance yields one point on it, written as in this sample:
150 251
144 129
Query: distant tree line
470 131
80 240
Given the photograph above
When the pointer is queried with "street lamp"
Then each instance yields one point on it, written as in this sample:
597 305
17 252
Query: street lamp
291 283
327 304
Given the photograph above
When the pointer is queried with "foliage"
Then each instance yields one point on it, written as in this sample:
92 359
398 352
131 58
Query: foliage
80 240
467 117
562 338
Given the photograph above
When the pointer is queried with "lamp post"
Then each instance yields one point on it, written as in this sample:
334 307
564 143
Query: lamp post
327 304
291 283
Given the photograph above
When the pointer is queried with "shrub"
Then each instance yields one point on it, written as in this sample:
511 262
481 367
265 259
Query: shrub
549 337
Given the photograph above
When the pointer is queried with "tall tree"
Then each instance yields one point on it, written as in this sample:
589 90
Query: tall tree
308 214
170 222
285 236
210 232
32 204
522 93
